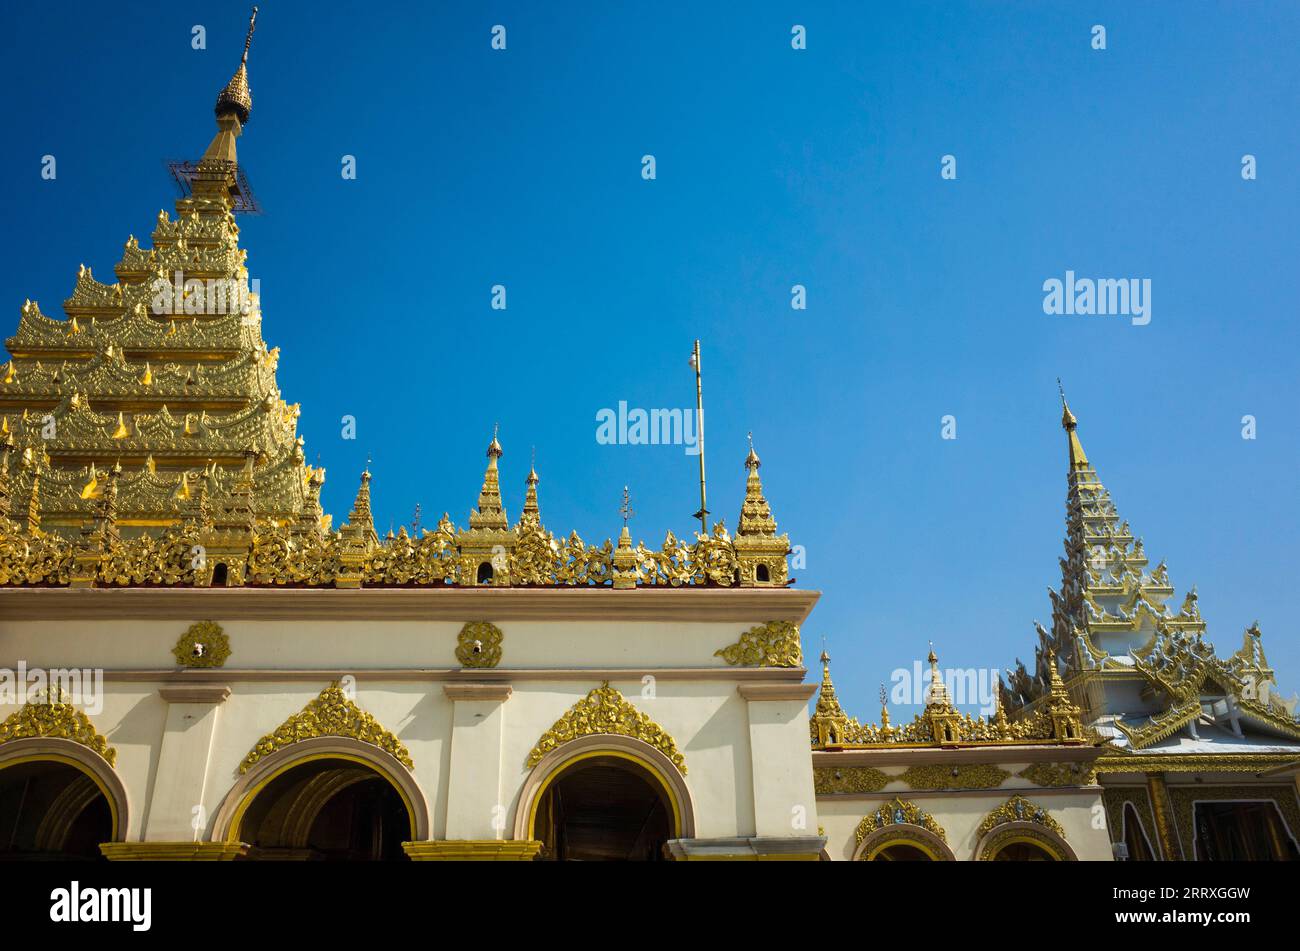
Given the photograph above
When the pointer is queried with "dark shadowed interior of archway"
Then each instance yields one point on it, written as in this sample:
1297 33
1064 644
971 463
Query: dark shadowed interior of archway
603 809
901 852
51 811
331 810
1023 852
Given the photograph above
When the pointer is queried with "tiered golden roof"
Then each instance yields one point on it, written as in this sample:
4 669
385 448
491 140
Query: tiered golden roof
1112 621
144 441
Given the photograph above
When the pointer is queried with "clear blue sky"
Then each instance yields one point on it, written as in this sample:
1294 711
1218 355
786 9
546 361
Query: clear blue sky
775 167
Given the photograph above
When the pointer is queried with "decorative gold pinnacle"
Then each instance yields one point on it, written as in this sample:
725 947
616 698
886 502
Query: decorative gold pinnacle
236 99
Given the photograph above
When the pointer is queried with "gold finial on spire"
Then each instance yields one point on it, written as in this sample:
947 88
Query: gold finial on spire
248 40
752 462
1078 459
625 509
494 448
236 99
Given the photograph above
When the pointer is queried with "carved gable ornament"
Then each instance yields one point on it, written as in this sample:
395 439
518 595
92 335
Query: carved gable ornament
604 712
898 812
40 718
330 714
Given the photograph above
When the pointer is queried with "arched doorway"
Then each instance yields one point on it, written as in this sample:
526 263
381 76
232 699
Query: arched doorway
1024 842
901 852
604 808
52 810
1023 852
903 842
324 808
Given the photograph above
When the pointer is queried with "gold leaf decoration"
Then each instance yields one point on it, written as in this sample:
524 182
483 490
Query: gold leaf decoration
39 718
205 644
849 779
1019 809
479 644
330 714
1056 774
774 644
604 711
898 812
977 776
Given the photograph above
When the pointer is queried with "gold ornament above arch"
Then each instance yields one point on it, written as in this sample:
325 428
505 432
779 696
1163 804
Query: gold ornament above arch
330 714
205 644
898 812
1019 809
41 718
605 711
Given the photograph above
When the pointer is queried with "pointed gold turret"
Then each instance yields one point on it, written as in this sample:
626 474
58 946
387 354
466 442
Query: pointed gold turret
491 512
531 516
1078 459
361 521
760 551
829 723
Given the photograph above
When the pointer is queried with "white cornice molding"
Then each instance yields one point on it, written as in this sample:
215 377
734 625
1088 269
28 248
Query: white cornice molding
427 604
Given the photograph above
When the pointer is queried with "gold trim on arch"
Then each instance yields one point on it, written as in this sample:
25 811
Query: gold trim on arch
564 767
1029 834
250 794
114 825
914 836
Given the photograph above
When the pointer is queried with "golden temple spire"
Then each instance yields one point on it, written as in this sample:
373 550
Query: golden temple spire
755 514
829 722
234 104
532 512
361 520
1078 459
491 512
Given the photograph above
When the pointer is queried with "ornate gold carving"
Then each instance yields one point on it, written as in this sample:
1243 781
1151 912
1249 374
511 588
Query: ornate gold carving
61 719
330 714
1019 809
848 779
1121 762
1059 774
479 644
604 711
939 776
205 644
774 644
898 812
